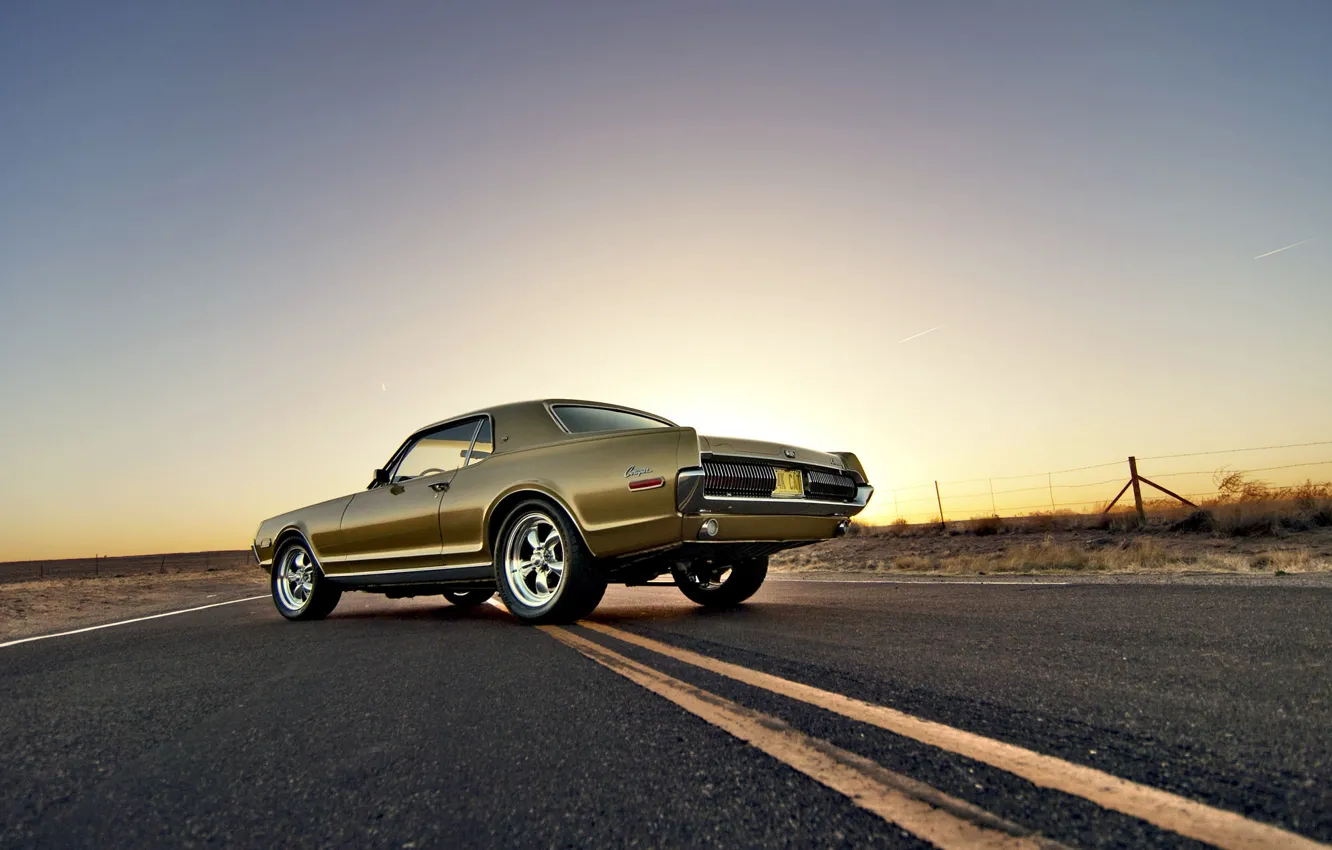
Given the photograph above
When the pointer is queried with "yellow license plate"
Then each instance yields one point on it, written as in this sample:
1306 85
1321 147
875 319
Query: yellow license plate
788 483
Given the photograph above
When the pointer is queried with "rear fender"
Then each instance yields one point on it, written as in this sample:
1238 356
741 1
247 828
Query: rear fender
618 488
852 464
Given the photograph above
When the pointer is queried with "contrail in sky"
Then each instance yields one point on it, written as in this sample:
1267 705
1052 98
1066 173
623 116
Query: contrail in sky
1279 250
922 333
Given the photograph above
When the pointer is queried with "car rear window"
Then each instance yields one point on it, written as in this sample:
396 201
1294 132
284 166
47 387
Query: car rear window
578 419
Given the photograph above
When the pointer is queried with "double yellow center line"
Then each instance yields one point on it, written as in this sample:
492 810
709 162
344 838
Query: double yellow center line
928 813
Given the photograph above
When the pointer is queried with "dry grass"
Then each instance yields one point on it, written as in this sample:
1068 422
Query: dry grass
1050 556
1244 508
1136 555
1096 550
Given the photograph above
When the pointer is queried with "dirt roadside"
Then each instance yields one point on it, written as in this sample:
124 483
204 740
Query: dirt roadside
924 551
55 605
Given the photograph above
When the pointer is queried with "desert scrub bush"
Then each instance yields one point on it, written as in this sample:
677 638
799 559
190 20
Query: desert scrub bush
1099 521
985 525
1322 515
1309 496
1285 561
1046 555
1040 521
1141 553
1234 487
1199 520
1122 521
1239 520
912 563
859 528
897 528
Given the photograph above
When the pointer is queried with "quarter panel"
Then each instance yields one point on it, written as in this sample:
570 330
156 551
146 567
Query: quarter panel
319 523
590 476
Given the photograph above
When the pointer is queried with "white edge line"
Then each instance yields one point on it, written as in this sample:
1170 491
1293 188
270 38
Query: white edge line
127 622
914 581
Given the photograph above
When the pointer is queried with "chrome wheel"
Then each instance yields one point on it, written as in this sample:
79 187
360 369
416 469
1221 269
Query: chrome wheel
295 579
534 559
721 585
708 577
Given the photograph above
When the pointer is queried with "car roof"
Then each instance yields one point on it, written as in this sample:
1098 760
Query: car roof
529 423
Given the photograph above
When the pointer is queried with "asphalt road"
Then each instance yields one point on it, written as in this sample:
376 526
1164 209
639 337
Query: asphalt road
415 724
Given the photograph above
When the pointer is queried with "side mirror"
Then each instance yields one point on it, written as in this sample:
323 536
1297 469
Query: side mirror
381 476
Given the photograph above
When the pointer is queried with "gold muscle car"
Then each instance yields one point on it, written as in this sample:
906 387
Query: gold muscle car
548 502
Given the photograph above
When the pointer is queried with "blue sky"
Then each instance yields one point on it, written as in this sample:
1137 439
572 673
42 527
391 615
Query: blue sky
245 247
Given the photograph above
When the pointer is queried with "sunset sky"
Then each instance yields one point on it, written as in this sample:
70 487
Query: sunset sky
246 247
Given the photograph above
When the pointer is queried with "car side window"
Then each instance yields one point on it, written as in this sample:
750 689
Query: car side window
485 443
442 450
584 419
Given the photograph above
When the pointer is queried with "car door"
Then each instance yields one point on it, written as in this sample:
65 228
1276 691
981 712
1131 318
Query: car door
394 525
462 516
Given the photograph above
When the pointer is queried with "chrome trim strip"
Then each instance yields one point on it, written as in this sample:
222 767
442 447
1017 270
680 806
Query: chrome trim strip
769 460
467 461
254 547
781 501
687 483
418 552
699 504
404 570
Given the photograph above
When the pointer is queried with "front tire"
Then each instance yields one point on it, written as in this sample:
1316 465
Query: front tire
300 590
468 598
722 586
544 572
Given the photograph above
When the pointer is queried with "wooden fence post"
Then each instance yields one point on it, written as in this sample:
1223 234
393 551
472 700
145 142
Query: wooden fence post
940 500
1137 489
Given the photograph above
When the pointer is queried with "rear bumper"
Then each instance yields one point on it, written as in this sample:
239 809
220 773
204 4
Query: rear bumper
692 501
773 528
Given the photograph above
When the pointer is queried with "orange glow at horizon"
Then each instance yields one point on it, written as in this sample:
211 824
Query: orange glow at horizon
229 289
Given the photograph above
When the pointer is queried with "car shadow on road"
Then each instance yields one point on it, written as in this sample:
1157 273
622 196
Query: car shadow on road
752 612
609 613
443 612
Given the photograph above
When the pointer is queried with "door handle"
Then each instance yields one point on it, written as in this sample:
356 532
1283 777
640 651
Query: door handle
440 487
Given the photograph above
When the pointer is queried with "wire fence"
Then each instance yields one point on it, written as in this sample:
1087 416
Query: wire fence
1087 489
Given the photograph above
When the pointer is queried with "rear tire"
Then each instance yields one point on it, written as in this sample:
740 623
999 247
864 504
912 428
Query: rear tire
300 590
468 598
542 569
722 586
